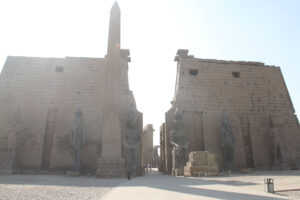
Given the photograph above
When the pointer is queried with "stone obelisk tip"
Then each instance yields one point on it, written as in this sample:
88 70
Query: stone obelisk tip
114 30
115 6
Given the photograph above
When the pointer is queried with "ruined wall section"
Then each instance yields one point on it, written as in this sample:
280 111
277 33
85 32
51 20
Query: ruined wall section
147 145
49 91
249 92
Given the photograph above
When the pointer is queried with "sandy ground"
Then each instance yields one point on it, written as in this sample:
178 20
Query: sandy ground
153 186
54 187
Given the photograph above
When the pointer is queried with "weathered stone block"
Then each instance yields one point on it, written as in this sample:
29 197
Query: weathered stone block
108 168
201 163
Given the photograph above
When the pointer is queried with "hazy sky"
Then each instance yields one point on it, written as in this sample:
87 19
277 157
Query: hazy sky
255 30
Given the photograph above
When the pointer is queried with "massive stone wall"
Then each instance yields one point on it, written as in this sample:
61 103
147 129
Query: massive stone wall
248 99
71 113
48 92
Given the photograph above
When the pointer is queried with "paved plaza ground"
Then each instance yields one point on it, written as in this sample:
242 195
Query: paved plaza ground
33 187
152 186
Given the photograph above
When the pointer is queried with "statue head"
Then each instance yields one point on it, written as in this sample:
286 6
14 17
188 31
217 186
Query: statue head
225 120
132 111
178 114
78 113
132 117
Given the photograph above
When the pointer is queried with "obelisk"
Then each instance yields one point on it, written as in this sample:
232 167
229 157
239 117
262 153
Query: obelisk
111 163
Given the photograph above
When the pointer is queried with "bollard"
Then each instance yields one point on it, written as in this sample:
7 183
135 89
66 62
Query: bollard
269 185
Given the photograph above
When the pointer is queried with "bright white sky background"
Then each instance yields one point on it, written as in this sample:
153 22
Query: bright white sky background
249 30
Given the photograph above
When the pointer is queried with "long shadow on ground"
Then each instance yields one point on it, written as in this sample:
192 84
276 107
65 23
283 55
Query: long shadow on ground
184 185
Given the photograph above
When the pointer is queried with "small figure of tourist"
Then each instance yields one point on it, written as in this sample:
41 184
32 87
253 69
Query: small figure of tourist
129 175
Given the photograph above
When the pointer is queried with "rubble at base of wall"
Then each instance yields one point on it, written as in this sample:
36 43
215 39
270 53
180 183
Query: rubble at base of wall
201 163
